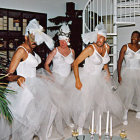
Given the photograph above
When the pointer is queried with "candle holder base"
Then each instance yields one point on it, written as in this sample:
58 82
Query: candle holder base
100 137
123 134
107 137
75 133
92 132
92 137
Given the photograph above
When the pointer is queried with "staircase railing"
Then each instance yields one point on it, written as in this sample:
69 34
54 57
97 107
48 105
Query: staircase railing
112 13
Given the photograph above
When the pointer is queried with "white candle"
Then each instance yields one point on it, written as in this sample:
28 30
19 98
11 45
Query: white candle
107 122
92 126
110 126
100 125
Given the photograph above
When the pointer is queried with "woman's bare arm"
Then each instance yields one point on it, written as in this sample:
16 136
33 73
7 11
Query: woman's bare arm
85 53
120 60
19 55
49 59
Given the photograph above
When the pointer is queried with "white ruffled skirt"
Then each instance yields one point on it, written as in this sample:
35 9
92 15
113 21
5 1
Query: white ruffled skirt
76 106
96 94
59 98
129 89
33 112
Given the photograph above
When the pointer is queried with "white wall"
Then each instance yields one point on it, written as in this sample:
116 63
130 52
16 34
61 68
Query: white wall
53 8
124 33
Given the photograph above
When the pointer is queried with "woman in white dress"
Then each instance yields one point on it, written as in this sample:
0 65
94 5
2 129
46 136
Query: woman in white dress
62 58
31 106
128 75
93 82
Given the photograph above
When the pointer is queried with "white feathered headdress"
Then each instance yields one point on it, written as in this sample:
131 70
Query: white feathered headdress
37 30
92 36
64 33
100 29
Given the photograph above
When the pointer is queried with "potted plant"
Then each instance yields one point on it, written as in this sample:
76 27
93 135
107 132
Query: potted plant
4 109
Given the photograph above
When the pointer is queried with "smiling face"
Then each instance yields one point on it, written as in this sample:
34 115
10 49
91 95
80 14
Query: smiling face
135 38
100 40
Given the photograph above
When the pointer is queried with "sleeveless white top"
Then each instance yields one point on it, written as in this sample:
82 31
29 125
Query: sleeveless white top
94 63
27 68
132 59
62 64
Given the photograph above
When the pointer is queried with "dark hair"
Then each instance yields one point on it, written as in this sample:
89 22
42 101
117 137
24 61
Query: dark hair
136 32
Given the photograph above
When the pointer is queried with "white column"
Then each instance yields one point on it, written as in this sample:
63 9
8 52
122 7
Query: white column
115 57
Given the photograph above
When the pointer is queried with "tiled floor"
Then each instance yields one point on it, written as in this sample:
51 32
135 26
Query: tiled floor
132 129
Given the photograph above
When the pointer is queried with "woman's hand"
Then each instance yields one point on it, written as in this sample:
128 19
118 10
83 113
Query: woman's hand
119 79
78 85
20 81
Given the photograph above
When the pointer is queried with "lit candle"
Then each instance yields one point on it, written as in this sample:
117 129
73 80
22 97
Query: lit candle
100 125
107 122
92 126
110 126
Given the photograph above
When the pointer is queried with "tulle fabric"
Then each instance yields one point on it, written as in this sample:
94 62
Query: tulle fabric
76 106
96 94
5 128
129 89
59 98
32 110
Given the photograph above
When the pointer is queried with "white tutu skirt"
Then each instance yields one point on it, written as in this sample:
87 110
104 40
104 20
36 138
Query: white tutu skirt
33 112
129 89
96 94
59 98
5 128
77 105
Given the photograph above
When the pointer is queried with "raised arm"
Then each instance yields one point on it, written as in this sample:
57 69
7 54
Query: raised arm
85 53
49 59
19 55
120 60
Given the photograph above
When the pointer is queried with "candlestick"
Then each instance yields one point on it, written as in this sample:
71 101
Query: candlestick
110 126
92 126
107 122
100 125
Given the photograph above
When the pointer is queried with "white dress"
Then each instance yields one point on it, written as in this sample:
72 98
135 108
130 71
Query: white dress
61 71
96 93
31 106
62 64
129 89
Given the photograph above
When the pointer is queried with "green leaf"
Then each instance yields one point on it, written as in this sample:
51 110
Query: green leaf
4 109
